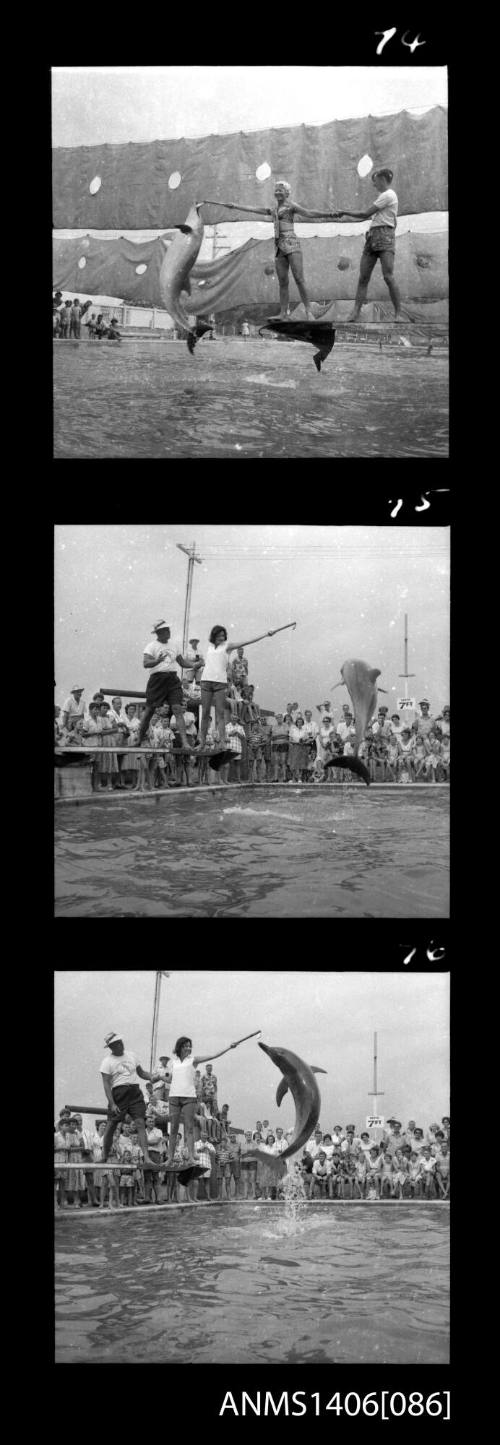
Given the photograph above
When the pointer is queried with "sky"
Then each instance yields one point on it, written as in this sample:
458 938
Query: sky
329 1019
347 588
116 105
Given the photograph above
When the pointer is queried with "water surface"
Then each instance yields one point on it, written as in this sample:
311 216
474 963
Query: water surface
248 399
233 1284
243 852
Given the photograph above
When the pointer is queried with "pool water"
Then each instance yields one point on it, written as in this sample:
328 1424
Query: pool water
248 399
243 1284
352 852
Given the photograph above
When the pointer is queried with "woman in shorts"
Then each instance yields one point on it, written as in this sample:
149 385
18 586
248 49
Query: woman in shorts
182 1098
214 681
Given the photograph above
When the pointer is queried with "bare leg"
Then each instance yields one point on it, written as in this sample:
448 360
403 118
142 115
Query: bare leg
297 270
281 263
387 262
367 264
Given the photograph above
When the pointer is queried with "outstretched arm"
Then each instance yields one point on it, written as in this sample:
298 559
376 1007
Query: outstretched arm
231 206
314 215
358 215
206 1058
231 646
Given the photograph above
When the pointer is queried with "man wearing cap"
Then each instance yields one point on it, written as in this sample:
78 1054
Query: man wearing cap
120 1075
426 722
163 659
72 708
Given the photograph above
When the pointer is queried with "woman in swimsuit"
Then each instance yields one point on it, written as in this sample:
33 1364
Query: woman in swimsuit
288 254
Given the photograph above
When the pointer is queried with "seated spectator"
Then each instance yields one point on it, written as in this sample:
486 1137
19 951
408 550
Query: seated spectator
428 1169
433 760
321 1172
373 1172
113 332
406 752
421 750
310 734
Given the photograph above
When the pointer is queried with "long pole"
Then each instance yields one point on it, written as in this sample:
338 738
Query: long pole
192 558
374 1093
406 674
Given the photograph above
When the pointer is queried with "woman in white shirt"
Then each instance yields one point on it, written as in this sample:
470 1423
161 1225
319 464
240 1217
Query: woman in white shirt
183 1098
214 680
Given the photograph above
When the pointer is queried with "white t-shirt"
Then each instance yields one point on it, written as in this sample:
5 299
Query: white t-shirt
182 1085
165 655
215 669
72 707
121 1069
387 210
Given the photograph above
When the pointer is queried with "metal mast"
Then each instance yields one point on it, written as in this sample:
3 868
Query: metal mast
191 554
156 1015
375 1093
406 674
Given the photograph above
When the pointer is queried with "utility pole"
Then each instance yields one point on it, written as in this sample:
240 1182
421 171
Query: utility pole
156 1014
191 554
375 1093
406 674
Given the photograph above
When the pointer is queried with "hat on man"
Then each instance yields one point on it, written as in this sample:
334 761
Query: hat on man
422 700
193 639
113 1038
383 709
159 625
78 689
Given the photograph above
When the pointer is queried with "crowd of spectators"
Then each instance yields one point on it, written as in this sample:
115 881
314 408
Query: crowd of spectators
68 316
341 1163
287 747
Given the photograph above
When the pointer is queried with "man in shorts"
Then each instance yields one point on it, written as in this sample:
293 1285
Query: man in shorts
163 659
120 1075
380 242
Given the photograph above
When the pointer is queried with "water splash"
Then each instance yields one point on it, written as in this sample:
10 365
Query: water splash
292 1221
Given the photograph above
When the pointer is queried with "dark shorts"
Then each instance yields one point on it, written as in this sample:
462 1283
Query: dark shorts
163 687
130 1100
184 1106
208 689
381 238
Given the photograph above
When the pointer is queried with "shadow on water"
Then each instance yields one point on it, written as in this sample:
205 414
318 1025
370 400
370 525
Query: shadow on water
362 855
228 1285
253 399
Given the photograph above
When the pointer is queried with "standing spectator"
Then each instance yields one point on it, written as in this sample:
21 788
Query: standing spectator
396 724
279 748
75 318
239 669
117 717
205 1153
298 753
223 1170
65 317
131 767
248 1168
442 1172
107 762
255 752
345 728
209 1089
444 720
72 708
161 736
245 329
63 1137
310 734
235 736
425 721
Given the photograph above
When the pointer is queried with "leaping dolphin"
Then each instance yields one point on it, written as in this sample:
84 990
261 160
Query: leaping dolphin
180 256
299 1078
282 1088
361 683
